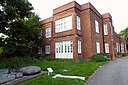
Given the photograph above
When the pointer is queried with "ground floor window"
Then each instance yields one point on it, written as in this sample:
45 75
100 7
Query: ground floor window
118 47
122 47
79 46
47 49
64 49
97 47
106 48
39 50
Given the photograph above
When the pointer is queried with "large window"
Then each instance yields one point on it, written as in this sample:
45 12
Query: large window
97 47
64 49
122 47
78 22
105 29
47 49
97 26
63 24
79 46
106 48
48 32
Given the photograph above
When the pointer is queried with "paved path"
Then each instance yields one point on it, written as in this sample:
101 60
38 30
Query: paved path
113 73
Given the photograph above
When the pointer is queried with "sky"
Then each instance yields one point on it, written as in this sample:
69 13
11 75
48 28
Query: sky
117 8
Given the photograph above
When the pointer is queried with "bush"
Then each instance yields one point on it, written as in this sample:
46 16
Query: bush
101 57
1 50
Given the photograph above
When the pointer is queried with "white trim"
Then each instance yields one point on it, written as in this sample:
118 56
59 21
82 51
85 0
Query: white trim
105 29
97 47
64 50
47 49
79 46
97 26
48 32
63 24
106 48
122 47
78 22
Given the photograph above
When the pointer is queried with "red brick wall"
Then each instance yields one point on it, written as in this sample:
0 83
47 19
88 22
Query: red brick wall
88 36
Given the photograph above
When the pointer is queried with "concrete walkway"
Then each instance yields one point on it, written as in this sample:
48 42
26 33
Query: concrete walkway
113 73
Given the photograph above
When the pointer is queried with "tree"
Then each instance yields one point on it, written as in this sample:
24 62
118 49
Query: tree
21 25
125 33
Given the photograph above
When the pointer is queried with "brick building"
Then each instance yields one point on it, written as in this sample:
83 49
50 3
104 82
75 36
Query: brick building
80 31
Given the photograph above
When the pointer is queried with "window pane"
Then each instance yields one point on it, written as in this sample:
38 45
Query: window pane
106 48
79 46
78 22
105 29
97 47
48 32
97 26
63 24
47 49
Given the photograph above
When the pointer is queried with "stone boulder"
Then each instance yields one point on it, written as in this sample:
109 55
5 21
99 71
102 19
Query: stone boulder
30 70
6 77
17 74
3 71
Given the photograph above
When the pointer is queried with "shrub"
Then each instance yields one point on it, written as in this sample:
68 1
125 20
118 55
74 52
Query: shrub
100 57
1 50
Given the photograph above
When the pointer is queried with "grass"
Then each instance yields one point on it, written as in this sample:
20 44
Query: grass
77 68
1 50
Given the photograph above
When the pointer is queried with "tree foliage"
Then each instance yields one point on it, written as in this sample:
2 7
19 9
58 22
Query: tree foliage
125 33
21 26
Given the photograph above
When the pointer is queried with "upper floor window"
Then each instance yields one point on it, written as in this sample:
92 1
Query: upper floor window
63 24
78 22
106 48
97 26
105 29
112 30
97 47
79 46
48 32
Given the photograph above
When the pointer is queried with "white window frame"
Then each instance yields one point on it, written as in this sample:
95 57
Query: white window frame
122 47
118 47
64 49
79 46
63 24
47 49
48 32
78 22
106 48
97 26
97 47
105 29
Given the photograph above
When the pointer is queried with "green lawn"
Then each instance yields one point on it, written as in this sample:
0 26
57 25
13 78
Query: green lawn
1 50
77 68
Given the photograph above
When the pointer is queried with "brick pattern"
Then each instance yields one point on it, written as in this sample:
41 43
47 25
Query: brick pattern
88 36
